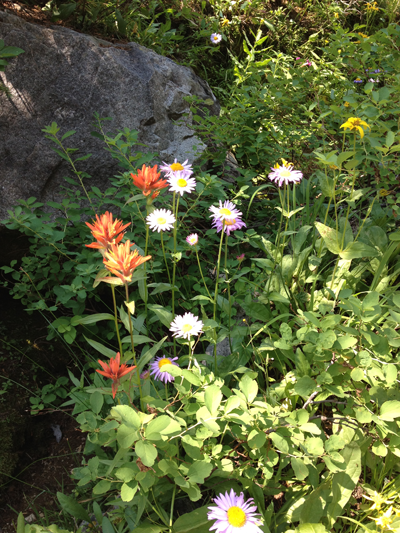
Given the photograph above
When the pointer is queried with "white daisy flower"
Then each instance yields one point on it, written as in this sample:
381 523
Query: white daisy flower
161 220
215 38
186 326
180 182
225 211
192 239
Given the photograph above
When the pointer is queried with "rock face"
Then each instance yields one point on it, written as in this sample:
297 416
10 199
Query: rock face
65 76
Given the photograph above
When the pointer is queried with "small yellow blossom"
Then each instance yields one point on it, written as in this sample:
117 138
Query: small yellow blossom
326 41
346 104
378 499
385 519
372 6
339 51
224 22
354 123
363 35
284 163
384 192
336 15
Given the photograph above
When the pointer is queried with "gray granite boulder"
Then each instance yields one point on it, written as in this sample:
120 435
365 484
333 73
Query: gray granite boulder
65 76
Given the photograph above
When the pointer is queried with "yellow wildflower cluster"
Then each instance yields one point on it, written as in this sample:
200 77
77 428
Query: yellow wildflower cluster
363 35
372 6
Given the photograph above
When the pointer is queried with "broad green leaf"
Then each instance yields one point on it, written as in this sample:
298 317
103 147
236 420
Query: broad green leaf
147 452
195 522
144 359
162 425
128 491
91 319
314 446
256 439
299 468
343 483
198 471
126 415
72 507
311 528
21 523
390 411
358 249
357 374
331 237
102 487
164 316
305 386
249 388
213 398
96 402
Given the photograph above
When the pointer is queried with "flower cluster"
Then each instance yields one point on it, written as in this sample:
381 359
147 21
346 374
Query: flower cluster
106 231
179 177
371 6
148 181
121 261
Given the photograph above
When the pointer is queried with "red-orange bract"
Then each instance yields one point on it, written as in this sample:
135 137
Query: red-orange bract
121 261
114 371
106 231
147 180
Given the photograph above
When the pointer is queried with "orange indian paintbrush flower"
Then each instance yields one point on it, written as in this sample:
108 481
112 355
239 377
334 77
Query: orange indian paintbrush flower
147 180
106 231
121 261
114 371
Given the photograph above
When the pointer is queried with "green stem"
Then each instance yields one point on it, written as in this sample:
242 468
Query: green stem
174 262
116 320
165 257
201 272
216 289
351 194
190 354
145 268
172 507
229 290
133 347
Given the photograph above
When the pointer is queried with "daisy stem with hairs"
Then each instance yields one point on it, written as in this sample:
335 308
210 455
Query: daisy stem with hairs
133 346
116 320
201 272
145 266
229 290
216 289
190 354
174 262
165 257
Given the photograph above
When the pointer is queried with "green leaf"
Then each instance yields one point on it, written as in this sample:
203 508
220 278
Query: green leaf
390 410
72 507
164 316
305 386
162 425
299 468
92 319
343 483
101 348
21 523
249 387
195 522
358 249
198 471
213 398
147 452
314 446
311 528
330 236
126 415
102 487
256 439
11 51
128 491
96 402
144 359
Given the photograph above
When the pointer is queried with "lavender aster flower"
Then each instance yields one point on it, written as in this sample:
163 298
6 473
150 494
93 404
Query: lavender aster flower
156 368
234 515
230 225
225 211
170 170
358 80
285 174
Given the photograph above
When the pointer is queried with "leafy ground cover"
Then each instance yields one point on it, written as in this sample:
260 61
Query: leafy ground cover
293 265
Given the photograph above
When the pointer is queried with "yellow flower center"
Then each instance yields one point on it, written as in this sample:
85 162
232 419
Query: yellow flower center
285 173
164 361
215 38
236 516
176 166
161 220
230 222
355 121
225 211
182 183
186 328
193 240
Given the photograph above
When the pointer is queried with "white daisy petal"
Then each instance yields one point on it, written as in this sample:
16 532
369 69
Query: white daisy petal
186 326
233 514
161 220
180 182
